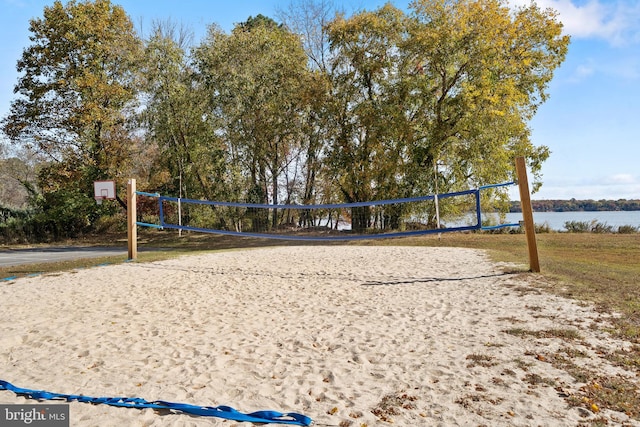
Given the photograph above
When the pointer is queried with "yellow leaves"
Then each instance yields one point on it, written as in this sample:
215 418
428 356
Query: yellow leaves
589 403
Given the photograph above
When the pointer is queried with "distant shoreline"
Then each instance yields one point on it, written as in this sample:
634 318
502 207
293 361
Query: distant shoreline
574 205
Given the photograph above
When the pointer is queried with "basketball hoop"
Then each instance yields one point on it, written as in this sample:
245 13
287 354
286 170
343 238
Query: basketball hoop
104 190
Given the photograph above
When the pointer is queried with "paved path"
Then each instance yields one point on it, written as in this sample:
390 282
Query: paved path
12 257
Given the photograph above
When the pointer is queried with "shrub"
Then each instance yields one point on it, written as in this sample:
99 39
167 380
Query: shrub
111 224
601 227
627 229
578 226
598 227
53 216
542 228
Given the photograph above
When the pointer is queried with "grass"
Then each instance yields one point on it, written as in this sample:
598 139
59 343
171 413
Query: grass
480 360
566 334
600 391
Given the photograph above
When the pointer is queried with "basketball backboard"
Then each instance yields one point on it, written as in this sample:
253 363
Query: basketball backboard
104 190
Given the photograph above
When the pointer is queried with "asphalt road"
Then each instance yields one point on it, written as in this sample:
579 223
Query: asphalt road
13 257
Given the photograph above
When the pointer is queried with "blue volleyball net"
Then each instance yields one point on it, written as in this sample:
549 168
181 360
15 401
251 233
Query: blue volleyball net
447 212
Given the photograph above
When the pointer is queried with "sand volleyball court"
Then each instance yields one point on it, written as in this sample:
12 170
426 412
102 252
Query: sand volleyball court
347 335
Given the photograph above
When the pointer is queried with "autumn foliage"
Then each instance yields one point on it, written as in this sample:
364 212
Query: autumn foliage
381 104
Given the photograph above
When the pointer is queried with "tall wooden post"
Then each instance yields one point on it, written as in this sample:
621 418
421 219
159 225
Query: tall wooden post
132 230
527 214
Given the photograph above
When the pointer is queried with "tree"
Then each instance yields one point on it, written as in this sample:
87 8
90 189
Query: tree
16 176
255 78
309 19
380 105
365 151
481 71
191 158
451 86
76 91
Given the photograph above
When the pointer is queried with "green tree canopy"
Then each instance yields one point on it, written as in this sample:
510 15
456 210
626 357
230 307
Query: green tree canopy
255 79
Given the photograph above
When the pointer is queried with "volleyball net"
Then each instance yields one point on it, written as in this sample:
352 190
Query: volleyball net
438 213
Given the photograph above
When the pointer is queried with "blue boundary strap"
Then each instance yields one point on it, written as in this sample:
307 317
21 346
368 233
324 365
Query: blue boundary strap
226 412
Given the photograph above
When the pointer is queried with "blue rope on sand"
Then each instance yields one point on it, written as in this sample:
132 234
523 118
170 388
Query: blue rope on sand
264 417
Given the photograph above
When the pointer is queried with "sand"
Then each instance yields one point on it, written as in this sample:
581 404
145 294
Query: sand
347 335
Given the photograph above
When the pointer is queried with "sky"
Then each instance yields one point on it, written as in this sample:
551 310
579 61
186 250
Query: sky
591 121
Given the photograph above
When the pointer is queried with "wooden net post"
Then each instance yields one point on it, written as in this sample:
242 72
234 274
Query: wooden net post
132 230
527 214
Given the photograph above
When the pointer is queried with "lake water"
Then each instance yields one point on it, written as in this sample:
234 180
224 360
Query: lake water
556 220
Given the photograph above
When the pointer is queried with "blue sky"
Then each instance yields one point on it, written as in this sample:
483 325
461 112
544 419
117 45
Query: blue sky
591 121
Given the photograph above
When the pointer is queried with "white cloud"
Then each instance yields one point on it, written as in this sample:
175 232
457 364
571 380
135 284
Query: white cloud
582 72
610 187
614 187
617 21
595 192
625 66
622 179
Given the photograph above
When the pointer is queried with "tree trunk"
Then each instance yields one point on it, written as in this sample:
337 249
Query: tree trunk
360 218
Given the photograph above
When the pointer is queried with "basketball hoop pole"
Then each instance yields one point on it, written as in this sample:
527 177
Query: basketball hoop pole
132 231
527 214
